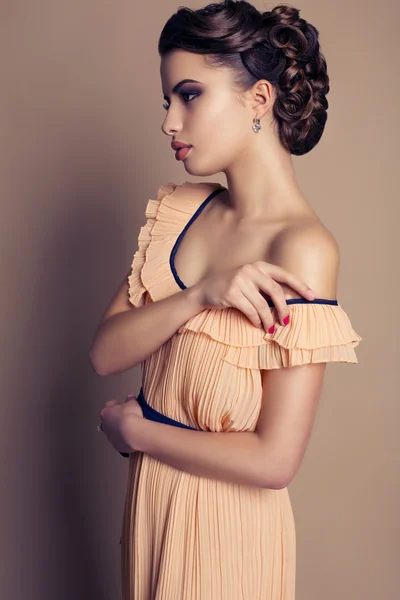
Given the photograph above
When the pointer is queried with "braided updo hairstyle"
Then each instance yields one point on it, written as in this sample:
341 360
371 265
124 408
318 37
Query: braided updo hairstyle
276 45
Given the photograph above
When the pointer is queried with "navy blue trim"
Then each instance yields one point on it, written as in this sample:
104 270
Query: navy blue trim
304 301
178 241
153 415
180 238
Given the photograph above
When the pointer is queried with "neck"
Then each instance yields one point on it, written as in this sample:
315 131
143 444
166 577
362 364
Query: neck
262 185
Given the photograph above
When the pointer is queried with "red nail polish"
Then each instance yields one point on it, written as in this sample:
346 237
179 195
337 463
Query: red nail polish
271 329
286 320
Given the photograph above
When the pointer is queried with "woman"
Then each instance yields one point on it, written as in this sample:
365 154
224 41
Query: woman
232 358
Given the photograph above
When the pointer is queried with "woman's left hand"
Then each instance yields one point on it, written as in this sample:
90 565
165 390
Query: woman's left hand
112 416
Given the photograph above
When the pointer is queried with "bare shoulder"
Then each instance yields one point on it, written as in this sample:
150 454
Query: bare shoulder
305 235
309 250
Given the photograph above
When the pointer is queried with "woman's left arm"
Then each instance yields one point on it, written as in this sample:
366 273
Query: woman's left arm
229 456
268 457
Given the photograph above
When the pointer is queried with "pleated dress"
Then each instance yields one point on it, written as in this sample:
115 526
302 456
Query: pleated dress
186 537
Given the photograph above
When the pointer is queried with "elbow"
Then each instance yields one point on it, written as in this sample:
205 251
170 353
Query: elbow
275 483
282 483
96 367
285 477
100 369
278 476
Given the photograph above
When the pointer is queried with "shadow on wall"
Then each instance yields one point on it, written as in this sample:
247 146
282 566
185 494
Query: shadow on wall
77 236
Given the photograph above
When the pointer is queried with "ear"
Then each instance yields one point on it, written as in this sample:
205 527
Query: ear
263 97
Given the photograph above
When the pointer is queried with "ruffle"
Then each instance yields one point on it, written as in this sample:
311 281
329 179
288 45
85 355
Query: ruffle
166 218
315 333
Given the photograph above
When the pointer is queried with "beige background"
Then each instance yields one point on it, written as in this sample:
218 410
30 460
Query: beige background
82 152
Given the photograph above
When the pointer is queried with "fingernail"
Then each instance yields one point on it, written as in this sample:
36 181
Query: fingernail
286 320
311 294
271 329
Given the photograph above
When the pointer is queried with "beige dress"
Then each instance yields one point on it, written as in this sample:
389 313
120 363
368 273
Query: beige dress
186 537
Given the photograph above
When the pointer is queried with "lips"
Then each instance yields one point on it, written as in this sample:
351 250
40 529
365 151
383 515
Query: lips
178 145
182 152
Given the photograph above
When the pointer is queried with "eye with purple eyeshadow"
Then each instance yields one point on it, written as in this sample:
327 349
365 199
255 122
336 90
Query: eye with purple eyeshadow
188 93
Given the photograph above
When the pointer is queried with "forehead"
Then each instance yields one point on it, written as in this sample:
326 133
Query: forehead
180 64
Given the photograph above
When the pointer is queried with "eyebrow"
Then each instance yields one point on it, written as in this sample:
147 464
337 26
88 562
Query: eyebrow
178 86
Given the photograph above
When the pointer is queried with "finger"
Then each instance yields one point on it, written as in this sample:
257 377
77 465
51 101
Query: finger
264 312
280 274
130 397
111 403
241 302
274 290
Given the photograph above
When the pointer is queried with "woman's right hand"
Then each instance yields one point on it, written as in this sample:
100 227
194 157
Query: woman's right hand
242 287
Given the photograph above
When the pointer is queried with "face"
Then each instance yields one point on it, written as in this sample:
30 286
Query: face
207 115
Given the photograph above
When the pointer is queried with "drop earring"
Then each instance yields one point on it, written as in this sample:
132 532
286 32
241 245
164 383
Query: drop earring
256 125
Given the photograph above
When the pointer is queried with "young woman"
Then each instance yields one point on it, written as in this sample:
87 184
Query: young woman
216 308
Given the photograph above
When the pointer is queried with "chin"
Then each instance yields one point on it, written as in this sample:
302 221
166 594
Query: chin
199 171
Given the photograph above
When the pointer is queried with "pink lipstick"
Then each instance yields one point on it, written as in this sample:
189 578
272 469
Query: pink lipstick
182 153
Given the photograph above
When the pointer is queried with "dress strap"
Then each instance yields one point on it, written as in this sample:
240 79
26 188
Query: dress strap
153 415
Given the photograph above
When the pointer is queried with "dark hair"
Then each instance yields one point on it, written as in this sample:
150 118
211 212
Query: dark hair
275 45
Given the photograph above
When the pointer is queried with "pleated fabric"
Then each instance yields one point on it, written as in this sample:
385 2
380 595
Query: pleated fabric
186 537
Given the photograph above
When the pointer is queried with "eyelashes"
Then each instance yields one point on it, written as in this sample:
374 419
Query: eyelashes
195 94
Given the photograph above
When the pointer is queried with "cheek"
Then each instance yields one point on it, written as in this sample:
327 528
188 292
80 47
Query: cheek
208 121
221 127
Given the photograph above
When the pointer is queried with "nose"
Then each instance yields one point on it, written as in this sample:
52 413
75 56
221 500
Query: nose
171 124
170 130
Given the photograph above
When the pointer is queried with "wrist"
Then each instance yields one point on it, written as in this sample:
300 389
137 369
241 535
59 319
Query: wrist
195 297
130 427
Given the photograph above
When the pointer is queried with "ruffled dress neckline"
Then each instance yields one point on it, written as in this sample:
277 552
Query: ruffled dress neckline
319 330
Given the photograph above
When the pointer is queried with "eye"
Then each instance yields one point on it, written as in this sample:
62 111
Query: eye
166 107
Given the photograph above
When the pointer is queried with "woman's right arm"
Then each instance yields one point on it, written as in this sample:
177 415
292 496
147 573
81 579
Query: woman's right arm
127 335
